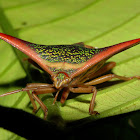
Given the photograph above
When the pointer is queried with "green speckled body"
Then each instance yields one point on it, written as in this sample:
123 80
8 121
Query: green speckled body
66 58
72 54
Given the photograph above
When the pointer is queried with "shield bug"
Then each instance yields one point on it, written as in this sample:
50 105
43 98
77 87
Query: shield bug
73 68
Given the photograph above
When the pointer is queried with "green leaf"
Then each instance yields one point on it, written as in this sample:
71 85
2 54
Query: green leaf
97 23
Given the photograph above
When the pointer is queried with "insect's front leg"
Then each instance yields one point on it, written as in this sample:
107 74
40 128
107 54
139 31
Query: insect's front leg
109 77
38 88
42 105
87 89
32 101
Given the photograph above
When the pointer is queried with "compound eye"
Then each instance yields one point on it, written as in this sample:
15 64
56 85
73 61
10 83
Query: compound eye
60 76
64 73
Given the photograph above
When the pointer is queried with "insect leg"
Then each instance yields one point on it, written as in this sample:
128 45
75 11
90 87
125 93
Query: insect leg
39 88
32 101
91 107
88 89
41 91
38 85
101 71
94 74
42 105
104 69
109 77
65 94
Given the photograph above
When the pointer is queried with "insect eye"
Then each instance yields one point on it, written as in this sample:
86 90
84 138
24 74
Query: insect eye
60 76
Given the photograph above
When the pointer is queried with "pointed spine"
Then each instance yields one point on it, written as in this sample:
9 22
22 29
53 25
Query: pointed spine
23 46
106 53
114 49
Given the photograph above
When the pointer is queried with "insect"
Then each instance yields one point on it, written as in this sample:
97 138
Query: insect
72 68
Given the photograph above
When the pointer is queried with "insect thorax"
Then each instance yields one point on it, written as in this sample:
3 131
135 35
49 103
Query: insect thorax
72 54
64 60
